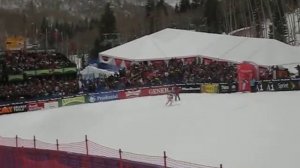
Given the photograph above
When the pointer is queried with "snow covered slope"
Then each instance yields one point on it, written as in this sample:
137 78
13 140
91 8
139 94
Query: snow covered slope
260 130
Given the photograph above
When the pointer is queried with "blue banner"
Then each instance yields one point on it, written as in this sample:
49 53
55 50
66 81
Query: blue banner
101 97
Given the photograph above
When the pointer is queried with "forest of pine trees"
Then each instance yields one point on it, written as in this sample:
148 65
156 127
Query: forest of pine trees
220 16
276 19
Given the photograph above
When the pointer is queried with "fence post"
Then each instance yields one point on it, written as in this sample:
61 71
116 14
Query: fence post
57 146
34 142
86 145
16 140
165 159
221 166
121 160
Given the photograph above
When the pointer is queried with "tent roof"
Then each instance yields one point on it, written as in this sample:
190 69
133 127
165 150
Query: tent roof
170 43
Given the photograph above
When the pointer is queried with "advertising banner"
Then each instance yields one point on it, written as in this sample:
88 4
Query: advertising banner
224 88
227 87
70 70
6 109
19 108
15 77
43 72
155 91
34 106
265 85
234 88
126 94
278 85
13 108
30 73
190 88
51 105
73 101
282 85
101 97
58 71
295 84
209 88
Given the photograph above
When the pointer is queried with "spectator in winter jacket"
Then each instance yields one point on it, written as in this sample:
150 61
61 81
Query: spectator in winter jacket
253 85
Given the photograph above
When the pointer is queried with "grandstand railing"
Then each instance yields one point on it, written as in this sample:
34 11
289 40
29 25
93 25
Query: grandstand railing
90 148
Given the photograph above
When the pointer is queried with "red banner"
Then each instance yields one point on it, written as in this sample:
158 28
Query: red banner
157 62
35 106
207 61
155 91
189 60
223 62
143 92
129 94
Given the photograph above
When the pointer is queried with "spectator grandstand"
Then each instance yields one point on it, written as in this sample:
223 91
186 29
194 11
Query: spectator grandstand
18 62
31 75
36 74
145 74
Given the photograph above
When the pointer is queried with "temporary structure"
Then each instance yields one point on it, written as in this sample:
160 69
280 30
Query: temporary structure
170 43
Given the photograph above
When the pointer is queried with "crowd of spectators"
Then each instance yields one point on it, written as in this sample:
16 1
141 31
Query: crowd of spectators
32 87
39 87
17 62
142 74
176 71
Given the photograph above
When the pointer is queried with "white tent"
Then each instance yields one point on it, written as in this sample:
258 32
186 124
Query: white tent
91 72
170 43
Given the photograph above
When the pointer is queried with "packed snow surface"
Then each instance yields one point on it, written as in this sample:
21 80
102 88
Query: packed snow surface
259 130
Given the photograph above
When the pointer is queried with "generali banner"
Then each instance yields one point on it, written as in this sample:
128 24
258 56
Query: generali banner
155 91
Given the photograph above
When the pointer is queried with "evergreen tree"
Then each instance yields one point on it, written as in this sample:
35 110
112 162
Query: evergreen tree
44 25
279 29
161 7
30 6
211 15
160 15
177 10
107 27
94 52
44 32
256 17
150 7
184 5
271 32
195 4
108 21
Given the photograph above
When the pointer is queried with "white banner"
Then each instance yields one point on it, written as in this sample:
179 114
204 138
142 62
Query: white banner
51 105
